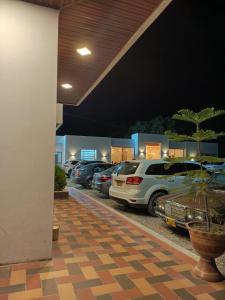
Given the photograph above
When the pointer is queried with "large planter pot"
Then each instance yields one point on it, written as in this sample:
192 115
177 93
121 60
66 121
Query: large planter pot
209 246
61 194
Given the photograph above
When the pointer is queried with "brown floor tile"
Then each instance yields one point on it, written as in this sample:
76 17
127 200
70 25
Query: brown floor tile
106 289
49 287
33 282
144 286
165 292
201 288
204 296
66 291
127 294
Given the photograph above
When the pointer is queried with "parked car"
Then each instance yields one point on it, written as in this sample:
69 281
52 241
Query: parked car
83 163
69 165
103 180
84 174
178 209
216 166
140 183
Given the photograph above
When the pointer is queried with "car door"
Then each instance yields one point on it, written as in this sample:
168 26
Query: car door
176 181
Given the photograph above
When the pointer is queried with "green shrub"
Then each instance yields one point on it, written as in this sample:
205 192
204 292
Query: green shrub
60 179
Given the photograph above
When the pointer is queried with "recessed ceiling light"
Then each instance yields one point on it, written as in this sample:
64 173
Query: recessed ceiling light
66 86
84 51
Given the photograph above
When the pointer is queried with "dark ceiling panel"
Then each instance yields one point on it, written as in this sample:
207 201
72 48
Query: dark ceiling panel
48 3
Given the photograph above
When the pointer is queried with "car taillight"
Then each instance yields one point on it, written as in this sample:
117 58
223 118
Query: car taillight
105 178
135 180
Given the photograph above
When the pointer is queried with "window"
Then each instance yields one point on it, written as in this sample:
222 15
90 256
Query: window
155 169
88 154
175 153
58 158
192 167
217 182
176 168
119 154
127 168
98 169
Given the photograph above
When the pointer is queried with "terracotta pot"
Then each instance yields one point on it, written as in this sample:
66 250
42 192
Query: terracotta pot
209 246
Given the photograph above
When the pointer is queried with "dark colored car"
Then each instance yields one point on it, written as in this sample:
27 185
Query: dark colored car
103 180
81 164
69 165
178 209
84 174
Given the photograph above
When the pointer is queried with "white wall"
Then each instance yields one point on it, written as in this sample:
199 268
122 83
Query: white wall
192 150
141 139
28 78
75 143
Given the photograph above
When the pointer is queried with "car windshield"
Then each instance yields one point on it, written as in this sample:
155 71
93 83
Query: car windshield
217 182
127 168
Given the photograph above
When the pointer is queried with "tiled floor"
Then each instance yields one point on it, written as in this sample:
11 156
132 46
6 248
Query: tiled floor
102 256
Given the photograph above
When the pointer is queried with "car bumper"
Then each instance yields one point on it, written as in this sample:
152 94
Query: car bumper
128 202
177 223
96 186
78 180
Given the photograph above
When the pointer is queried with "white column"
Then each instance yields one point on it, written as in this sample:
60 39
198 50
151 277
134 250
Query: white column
28 79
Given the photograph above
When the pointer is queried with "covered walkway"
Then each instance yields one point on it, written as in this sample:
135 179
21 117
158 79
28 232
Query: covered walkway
100 255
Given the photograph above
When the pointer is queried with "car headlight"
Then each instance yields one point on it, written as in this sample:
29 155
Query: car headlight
199 215
161 207
190 216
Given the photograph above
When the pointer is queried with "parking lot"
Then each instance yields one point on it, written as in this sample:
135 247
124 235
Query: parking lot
175 235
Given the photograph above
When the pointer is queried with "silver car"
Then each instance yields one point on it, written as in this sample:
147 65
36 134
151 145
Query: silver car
103 180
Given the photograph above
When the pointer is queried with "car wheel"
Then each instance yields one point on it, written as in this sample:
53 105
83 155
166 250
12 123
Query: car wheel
152 203
89 183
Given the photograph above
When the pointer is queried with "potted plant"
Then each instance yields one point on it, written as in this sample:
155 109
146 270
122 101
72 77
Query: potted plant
208 239
60 183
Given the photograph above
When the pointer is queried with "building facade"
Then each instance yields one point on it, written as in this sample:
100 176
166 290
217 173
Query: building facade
139 146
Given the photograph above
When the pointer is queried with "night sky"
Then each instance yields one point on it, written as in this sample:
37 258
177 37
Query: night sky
179 62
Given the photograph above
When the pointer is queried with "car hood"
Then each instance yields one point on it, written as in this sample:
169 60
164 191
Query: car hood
216 199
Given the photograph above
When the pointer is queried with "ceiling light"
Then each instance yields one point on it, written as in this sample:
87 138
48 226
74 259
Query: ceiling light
84 51
66 86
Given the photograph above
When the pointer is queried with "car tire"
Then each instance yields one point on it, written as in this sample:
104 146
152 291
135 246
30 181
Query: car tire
152 203
89 183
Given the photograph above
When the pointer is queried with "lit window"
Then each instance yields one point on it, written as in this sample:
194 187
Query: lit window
172 153
88 154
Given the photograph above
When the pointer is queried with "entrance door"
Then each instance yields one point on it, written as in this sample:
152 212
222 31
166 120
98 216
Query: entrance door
153 151
116 154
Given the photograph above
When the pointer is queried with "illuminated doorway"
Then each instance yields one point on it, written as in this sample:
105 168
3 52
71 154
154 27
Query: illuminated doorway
119 154
153 151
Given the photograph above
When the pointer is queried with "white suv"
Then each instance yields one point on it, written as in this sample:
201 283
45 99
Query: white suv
139 183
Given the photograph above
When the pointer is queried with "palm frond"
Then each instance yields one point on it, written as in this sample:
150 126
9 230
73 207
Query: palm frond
197 117
206 135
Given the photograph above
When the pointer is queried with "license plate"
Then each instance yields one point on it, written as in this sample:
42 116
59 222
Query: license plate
171 222
119 182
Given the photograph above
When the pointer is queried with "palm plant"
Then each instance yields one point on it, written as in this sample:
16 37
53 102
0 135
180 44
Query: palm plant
200 135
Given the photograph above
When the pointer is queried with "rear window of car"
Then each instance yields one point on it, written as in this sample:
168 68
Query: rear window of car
127 168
